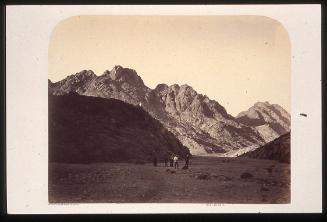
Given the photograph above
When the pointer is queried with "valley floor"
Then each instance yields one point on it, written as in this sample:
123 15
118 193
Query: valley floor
208 180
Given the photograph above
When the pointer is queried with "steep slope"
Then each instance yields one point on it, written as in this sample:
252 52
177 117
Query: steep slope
271 120
89 129
278 149
201 124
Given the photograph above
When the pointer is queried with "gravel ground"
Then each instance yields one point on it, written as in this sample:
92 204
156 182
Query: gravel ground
208 180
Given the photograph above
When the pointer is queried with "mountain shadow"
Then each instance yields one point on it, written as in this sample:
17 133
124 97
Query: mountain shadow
84 129
278 149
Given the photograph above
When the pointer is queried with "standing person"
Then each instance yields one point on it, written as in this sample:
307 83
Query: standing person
176 162
166 160
187 159
171 160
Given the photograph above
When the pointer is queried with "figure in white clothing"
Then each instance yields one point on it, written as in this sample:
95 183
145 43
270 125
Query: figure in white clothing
176 162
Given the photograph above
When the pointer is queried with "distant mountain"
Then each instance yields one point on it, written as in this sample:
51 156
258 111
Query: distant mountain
86 129
201 124
278 149
271 120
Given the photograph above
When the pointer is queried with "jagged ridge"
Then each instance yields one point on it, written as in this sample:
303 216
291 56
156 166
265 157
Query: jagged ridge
199 123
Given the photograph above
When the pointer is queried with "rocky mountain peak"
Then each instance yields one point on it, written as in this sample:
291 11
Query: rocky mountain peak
85 73
82 75
121 74
271 120
262 104
161 87
255 111
116 72
188 91
185 86
175 88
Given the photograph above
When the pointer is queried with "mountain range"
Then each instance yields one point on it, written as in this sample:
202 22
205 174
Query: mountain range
201 124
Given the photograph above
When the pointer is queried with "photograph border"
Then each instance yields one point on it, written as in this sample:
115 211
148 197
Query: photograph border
233 2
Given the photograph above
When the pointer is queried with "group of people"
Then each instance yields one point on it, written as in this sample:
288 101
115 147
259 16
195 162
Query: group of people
173 161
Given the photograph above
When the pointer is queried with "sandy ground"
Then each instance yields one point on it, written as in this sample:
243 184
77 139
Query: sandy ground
208 180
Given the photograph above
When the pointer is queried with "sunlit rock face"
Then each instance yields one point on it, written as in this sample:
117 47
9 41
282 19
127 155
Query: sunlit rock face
201 124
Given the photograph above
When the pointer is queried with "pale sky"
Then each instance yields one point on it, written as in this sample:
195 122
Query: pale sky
235 60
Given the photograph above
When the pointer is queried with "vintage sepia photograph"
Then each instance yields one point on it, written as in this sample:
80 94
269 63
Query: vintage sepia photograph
169 109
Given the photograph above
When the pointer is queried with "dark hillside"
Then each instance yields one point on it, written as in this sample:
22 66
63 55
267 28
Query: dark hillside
279 150
85 129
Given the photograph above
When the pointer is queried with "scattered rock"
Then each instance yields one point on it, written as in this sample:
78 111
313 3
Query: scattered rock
203 177
246 175
185 168
273 183
269 170
170 171
264 189
221 177
264 199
